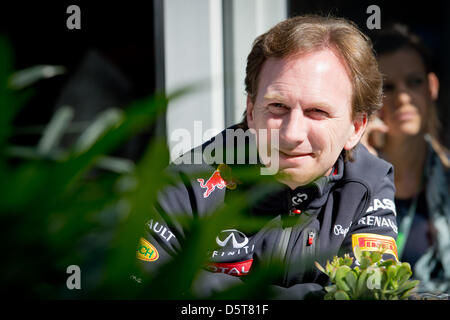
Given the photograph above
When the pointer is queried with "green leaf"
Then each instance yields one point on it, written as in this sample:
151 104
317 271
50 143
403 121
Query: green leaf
54 131
341 273
331 271
387 263
404 272
376 256
347 260
104 121
358 253
318 266
331 288
406 293
351 279
361 286
407 286
391 272
24 78
329 296
341 295
365 262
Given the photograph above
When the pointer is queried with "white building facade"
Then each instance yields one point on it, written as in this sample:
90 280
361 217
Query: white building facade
206 43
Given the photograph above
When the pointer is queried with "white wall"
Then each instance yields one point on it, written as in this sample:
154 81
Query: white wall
250 19
193 37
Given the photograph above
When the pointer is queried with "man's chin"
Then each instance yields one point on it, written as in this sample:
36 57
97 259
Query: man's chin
293 177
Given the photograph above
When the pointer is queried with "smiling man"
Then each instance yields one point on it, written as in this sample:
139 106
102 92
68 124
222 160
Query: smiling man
314 81
308 99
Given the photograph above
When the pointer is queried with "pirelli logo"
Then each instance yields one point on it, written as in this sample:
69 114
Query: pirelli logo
371 242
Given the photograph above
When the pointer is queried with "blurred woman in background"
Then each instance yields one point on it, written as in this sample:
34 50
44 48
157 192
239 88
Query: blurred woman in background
405 133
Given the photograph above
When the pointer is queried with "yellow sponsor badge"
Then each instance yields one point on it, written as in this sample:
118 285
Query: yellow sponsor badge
371 242
146 251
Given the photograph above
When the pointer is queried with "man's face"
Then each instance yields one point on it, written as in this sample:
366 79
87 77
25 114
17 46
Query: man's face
308 99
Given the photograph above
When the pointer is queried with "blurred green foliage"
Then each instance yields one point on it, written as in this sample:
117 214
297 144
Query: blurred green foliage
80 206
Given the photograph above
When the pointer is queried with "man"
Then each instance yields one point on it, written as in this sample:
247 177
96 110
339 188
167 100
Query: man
314 82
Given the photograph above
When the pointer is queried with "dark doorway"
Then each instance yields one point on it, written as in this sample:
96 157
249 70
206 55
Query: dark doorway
115 58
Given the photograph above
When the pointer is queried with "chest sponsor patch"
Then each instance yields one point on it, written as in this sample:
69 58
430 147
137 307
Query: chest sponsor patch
372 241
146 251
339 230
379 222
161 230
220 179
386 204
232 268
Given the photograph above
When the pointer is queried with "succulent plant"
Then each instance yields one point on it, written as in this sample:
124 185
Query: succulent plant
373 279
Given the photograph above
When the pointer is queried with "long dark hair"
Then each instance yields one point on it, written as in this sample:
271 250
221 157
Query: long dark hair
398 36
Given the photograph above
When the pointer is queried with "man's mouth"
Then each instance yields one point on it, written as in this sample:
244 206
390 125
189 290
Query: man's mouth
293 155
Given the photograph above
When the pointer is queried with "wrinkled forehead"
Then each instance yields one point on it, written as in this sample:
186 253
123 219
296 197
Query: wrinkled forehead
320 73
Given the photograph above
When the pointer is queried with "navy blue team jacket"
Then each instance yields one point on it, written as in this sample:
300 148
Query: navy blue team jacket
352 206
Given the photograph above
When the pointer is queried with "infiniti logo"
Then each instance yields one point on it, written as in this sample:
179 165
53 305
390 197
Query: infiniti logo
232 235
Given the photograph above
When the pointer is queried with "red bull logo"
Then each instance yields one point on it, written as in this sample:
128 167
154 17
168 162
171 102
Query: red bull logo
216 181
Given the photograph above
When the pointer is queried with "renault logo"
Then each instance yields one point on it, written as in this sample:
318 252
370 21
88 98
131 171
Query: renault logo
232 233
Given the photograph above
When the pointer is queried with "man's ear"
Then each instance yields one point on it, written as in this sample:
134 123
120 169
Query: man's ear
250 107
358 127
433 85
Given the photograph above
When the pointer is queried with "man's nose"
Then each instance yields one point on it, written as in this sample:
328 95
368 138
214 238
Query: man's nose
293 130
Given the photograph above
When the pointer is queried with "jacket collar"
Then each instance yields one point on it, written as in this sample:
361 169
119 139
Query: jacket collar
308 198
281 200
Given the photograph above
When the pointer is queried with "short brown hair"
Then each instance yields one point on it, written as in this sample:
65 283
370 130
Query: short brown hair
310 33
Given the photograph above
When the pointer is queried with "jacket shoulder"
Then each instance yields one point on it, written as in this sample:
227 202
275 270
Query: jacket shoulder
366 167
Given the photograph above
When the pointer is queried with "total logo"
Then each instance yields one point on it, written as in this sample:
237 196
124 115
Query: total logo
232 268
235 241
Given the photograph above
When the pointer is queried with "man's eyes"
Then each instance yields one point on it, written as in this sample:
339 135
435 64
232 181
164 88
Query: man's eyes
278 108
316 110
317 114
277 105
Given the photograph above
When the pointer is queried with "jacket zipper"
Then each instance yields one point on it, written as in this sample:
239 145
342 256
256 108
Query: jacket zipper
311 238
284 242
310 250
